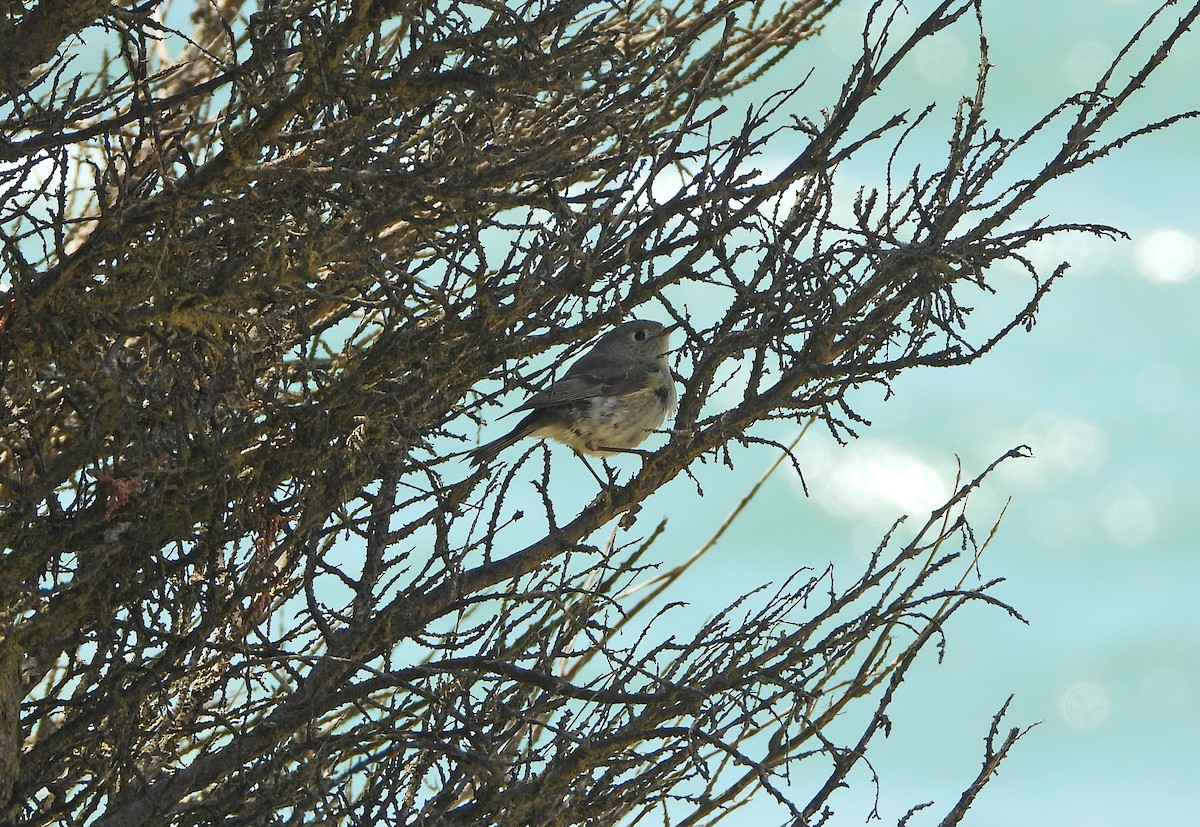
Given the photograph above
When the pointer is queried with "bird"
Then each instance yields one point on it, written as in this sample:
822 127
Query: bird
607 402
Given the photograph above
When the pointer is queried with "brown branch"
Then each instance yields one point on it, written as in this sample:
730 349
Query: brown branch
39 33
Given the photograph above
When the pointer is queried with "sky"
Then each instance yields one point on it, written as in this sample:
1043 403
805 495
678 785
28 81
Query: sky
1097 545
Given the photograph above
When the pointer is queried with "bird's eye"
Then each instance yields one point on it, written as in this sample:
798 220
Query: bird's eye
640 335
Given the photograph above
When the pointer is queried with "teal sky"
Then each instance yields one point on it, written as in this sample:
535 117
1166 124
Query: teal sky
1098 546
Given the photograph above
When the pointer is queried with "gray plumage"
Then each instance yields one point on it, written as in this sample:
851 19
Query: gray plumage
613 397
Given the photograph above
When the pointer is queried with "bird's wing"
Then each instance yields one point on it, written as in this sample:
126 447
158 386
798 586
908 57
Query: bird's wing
576 386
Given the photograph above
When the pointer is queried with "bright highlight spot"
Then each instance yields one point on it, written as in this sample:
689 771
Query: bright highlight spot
1059 443
1130 520
1085 253
873 479
668 183
1069 442
1167 256
1084 705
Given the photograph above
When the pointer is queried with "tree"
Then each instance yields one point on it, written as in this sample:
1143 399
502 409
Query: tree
266 279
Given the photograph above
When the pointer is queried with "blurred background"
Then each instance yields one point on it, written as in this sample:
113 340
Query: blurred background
1098 544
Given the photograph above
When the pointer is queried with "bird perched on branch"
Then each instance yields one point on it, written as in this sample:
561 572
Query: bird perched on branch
607 402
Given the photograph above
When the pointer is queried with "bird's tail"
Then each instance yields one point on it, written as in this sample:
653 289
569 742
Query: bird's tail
487 452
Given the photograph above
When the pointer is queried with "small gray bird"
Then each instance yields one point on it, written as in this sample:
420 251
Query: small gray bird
611 399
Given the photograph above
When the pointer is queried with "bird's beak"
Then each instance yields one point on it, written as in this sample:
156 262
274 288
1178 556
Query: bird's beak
662 337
